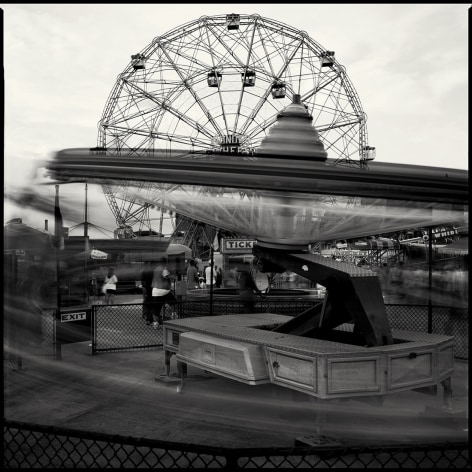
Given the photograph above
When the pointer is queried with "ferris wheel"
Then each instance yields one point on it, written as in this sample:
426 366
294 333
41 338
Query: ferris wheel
217 84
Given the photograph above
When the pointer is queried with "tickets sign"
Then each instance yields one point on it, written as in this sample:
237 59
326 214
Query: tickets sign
238 245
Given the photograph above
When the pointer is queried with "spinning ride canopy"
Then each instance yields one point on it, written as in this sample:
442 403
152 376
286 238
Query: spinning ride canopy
296 219
262 117
280 200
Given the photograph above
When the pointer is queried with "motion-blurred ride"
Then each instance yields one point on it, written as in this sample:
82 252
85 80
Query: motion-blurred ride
287 195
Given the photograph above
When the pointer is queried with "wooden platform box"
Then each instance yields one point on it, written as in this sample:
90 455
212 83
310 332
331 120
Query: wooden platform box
352 375
446 360
292 370
373 371
326 376
171 339
233 359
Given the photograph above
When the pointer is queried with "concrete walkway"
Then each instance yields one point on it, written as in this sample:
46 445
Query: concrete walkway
117 393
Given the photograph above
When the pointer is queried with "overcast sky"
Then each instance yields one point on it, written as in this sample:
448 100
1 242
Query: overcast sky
408 64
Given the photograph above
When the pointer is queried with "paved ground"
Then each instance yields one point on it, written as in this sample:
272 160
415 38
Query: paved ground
117 393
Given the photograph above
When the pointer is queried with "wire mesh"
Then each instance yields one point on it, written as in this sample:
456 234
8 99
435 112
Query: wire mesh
17 351
123 327
36 446
448 321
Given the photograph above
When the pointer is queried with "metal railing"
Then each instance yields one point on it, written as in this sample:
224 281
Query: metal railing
122 327
434 319
16 352
36 446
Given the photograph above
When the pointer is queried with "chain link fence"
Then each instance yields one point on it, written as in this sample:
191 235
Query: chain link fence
36 446
122 327
190 308
17 350
434 319
453 322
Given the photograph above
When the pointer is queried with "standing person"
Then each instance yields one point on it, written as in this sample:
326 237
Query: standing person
192 275
232 278
93 286
209 280
201 283
161 290
247 287
26 304
109 286
219 277
146 286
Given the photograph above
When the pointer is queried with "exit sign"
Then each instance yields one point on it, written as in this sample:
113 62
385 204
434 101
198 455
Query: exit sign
79 316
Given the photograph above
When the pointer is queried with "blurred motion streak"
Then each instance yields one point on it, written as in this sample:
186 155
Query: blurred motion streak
289 199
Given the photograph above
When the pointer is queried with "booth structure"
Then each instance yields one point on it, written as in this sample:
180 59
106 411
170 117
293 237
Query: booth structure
342 347
236 252
243 348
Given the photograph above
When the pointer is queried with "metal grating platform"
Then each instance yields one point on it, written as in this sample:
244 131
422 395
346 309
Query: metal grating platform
238 347
247 328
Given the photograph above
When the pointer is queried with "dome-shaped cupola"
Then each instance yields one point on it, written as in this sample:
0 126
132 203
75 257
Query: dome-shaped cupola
293 135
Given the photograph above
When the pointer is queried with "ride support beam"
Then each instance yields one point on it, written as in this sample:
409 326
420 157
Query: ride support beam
353 295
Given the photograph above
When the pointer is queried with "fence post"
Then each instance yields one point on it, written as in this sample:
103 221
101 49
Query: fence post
231 462
430 317
19 362
430 278
57 343
94 330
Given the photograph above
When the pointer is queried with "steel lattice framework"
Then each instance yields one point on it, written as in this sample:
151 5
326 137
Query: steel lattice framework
218 84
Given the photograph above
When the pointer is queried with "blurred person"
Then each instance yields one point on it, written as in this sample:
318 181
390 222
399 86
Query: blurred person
21 323
457 280
161 290
218 277
93 285
464 286
109 286
201 283
291 279
209 280
396 275
146 286
457 285
232 278
247 289
192 275
22 312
